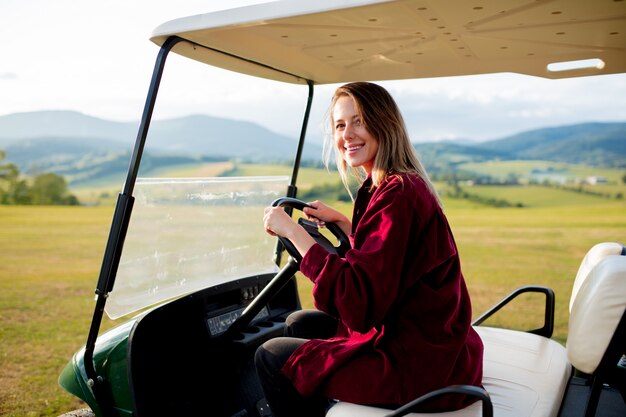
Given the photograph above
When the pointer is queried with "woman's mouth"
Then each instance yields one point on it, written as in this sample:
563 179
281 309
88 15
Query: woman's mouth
353 148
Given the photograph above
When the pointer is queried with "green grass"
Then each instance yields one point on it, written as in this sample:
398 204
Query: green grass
307 177
539 196
50 259
501 169
49 263
502 249
105 193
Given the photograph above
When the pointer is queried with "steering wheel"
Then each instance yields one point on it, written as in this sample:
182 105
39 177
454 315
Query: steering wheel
313 230
293 264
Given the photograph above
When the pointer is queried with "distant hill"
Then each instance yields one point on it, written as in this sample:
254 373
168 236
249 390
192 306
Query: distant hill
67 142
86 148
442 155
598 144
63 124
601 144
197 134
206 135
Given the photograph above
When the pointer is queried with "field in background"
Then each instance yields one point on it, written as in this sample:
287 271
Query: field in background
106 194
541 170
50 259
49 264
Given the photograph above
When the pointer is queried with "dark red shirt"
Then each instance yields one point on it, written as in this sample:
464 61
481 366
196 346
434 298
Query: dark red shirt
402 301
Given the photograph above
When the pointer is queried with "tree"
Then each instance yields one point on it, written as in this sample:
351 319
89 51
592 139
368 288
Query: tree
20 193
9 181
50 188
47 188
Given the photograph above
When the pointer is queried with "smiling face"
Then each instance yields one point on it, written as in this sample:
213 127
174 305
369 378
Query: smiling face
352 140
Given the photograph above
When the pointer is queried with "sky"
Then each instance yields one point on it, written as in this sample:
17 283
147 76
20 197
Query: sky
95 57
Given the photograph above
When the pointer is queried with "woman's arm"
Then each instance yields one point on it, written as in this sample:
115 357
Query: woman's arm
361 287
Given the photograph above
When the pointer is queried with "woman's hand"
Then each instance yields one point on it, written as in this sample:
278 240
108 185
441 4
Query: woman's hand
322 214
278 223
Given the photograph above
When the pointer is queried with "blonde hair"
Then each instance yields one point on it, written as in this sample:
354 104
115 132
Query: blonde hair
381 116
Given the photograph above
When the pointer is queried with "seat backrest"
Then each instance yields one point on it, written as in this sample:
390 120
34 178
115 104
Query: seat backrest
596 311
591 259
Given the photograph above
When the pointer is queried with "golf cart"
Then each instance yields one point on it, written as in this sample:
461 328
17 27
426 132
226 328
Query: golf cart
208 284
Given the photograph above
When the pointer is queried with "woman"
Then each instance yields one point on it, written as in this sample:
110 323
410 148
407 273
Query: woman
394 314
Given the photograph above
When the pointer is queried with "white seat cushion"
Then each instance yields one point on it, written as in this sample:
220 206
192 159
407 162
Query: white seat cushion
596 254
343 409
596 313
526 376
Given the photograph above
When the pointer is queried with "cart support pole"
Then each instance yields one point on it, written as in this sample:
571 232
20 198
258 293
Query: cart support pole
117 235
292 190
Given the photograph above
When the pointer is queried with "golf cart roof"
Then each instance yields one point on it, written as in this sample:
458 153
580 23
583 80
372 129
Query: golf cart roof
330 41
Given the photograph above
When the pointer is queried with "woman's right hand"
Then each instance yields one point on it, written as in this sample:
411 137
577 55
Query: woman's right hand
321 214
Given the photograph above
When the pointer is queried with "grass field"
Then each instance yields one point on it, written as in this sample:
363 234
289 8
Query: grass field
49 262
526 169
536 196
50 259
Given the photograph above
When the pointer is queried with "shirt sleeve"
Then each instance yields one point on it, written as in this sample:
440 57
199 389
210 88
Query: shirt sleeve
360 288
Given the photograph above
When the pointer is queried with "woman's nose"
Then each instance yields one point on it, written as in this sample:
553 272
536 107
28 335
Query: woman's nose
348 133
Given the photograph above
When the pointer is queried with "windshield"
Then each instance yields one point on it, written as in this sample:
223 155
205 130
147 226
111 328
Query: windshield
186 234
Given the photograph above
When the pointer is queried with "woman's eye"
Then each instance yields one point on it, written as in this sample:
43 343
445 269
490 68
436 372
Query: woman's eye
339 126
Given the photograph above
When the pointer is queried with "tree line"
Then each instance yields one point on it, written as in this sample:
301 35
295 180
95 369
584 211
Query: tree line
42 189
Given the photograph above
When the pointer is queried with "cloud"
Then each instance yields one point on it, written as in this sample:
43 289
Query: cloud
480 107
8 76
490 107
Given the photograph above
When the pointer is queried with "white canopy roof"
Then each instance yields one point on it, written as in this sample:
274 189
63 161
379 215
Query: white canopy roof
332 41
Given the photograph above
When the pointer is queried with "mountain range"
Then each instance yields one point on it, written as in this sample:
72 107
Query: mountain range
84 147
190 135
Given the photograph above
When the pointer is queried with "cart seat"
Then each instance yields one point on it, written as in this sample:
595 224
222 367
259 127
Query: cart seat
526 375
591 259
597 325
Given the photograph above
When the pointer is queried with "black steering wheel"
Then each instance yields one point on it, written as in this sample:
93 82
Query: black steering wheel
293 264
313 230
